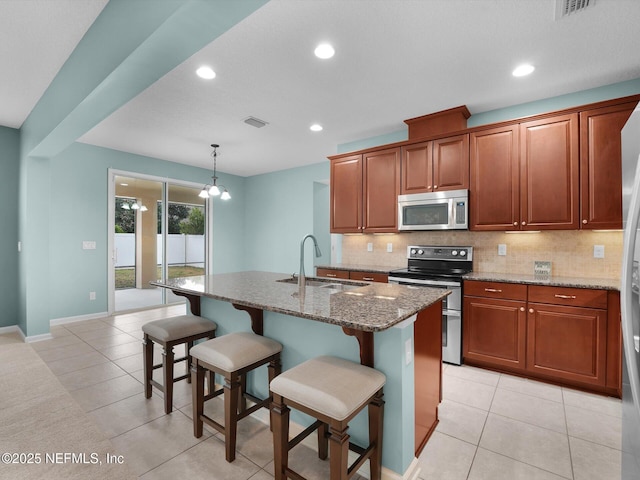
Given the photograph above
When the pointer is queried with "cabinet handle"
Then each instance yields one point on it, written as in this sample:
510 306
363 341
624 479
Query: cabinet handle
531 310
368 279
429 187
495 290
522 309
331 275
515 224
435 187
524 223
584 222
570 297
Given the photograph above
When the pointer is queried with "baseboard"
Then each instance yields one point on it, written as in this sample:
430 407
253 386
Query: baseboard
311 442
12 329
79 318
38 338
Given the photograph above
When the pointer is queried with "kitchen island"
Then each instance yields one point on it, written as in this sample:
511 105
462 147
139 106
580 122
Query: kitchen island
394 328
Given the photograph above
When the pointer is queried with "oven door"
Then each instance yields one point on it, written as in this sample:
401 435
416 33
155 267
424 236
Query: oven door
451 315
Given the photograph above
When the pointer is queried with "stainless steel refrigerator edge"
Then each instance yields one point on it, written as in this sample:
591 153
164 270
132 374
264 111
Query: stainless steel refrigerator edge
630 298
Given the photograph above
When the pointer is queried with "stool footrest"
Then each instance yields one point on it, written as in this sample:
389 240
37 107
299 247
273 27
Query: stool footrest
175 360
293 475
304 434
157 385
365 453
216 393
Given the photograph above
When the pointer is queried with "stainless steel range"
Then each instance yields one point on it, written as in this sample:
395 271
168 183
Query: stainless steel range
440 267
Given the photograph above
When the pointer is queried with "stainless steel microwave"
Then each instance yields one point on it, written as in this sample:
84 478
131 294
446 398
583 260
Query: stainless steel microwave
446 210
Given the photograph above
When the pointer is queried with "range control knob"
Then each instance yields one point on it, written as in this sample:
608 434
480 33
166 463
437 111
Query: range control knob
454 252
413 251
420 252
463 253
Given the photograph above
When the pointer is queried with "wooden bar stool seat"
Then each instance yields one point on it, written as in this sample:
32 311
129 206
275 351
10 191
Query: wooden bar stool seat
169 332
231 356
333 391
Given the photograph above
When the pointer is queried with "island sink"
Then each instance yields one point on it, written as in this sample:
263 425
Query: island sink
322 283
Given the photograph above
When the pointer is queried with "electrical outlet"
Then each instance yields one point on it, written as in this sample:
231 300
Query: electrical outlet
19 246
92 295
598 251
408 352
502 249
389 247
369 247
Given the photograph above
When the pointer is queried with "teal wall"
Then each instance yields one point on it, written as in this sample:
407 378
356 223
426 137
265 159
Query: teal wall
9 195
279 212
607 92
79 211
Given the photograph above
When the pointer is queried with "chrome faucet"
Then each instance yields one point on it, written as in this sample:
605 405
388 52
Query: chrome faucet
301 277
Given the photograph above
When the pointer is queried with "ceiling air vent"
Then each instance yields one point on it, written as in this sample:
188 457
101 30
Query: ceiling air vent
567 7
255 122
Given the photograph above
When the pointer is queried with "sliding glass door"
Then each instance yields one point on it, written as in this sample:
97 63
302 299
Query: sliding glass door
159 231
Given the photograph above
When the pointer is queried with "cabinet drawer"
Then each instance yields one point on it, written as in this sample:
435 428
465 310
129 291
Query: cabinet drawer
369 276
513 291
576 297
328 272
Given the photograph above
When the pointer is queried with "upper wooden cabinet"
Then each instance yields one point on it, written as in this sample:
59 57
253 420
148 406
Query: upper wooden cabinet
364 192
549 173
525 176
381 187
494 188
601 166
346 194
437 165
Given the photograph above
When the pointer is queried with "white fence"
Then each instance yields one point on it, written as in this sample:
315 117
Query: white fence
181 249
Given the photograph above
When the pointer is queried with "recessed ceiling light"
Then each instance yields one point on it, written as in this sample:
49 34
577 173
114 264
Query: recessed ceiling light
206 72
324 51
523 70
315 127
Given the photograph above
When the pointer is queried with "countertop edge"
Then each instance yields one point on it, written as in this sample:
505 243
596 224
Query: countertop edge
553 281
359 268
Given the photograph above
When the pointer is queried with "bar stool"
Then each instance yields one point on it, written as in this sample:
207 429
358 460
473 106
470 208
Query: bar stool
231 356
170 332
333 391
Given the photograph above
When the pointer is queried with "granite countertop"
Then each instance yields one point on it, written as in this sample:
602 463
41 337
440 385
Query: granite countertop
575 282
360 268
363 306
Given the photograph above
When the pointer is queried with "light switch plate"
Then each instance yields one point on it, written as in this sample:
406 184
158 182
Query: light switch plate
502 249
369 247
389 247
598 251
88 245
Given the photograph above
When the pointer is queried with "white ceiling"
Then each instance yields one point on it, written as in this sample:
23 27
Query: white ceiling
394 60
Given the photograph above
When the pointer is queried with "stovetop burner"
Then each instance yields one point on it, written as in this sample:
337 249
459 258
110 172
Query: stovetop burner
425 261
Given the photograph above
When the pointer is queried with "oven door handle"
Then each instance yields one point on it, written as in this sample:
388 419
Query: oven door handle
415 281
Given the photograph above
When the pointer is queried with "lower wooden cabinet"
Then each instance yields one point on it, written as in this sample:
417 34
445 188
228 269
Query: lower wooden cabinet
564 335
352 275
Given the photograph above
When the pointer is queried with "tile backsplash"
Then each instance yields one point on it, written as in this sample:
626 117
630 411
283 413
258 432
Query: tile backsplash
570 252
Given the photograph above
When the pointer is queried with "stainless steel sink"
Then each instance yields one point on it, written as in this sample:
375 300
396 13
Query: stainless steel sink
322 283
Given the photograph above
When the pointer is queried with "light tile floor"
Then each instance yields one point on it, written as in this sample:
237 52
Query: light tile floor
492 426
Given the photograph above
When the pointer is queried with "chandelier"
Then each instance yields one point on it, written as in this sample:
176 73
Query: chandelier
213 189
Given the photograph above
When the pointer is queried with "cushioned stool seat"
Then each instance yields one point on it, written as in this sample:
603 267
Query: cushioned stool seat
169 332
333 391
231 356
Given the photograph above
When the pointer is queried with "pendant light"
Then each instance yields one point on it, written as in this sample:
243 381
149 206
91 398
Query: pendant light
213 189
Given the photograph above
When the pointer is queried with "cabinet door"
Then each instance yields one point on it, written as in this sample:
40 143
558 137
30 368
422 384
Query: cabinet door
381 188
549 173
417 168
567 343
494 193
494 332
451 163
601 166
346 195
